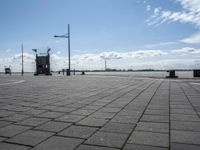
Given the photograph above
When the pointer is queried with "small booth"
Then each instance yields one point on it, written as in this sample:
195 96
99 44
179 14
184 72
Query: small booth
42 63
7 70
172 74
196 73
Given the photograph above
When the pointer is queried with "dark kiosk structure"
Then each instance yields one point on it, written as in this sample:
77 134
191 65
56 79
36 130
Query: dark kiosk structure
196 73
7 70
172 74
42 63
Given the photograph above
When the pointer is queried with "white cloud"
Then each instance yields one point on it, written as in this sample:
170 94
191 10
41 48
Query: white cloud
186 50
148 7
190 14
59 62
194 39
140 59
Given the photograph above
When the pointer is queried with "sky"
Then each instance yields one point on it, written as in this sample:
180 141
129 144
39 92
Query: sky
129 34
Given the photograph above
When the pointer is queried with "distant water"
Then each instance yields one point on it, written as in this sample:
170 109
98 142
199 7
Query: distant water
161 74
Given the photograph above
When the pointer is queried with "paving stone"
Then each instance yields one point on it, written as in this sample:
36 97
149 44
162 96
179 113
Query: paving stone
64 109
155 118
95 122
90 147
30 137
180 117
109 110
178 146
92 107
4 123
149 138
33 121
9 146
157 112
4 113
2 139
78 131
130 113
11 130
102 115
48 107
50 115
183 111
83 112
59 143
125 119
153 127
16 117
142 147
34 111
70 118
181 125
53 126
186 137
115 140
118 127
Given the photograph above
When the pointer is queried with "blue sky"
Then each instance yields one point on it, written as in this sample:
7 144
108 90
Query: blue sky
130 33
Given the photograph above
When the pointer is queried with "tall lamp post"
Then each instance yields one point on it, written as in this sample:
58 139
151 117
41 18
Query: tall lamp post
22 73
68 37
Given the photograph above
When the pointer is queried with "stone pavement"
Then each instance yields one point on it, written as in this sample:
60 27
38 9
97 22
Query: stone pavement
98 113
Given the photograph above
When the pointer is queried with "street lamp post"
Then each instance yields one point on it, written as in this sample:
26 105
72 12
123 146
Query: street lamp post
67 36
22 73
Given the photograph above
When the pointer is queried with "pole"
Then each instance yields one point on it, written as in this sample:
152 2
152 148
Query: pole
22 73
105 64
69 61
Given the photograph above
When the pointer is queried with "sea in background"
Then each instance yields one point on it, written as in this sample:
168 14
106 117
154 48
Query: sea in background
158 74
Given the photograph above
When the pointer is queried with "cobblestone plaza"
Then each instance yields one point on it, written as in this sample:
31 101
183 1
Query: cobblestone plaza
98 113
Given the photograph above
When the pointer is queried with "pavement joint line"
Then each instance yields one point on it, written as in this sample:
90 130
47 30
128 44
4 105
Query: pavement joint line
169 114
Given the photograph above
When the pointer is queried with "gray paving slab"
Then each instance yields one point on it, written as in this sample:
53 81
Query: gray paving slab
90 147
59 143
180 146
30 137
153 127
185 137
186 126
53 126
4 123
33 121
11 130
118 127
100 111
9 146
115 140
78 131
95 122
149 138
70 118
